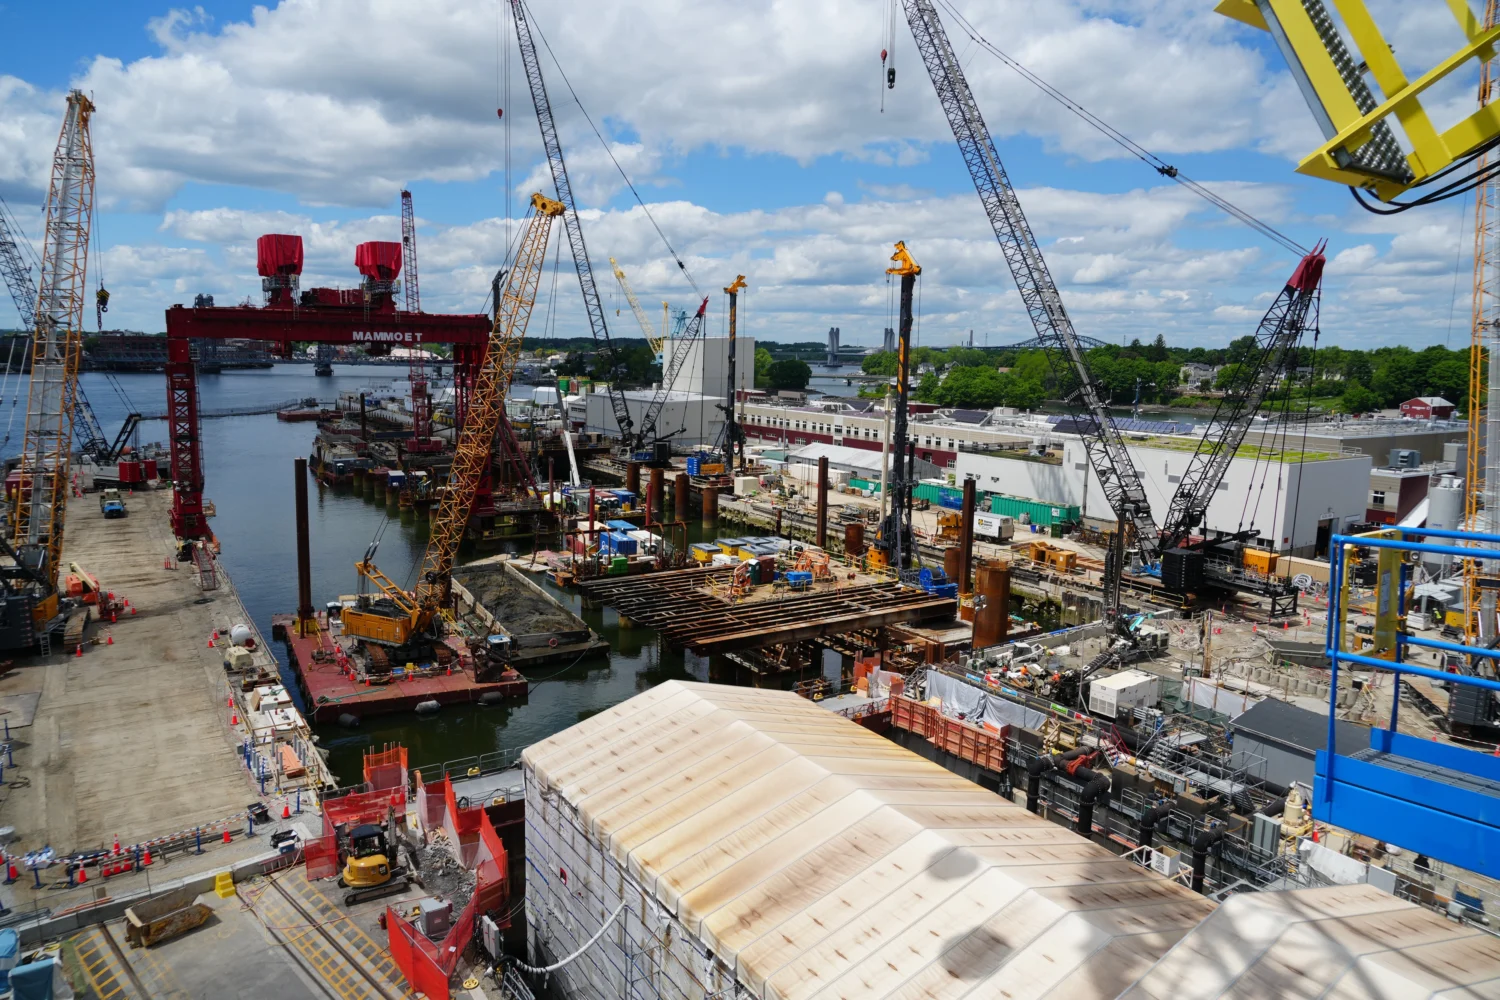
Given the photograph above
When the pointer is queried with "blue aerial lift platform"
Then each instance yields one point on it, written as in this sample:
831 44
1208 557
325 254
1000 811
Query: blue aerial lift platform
1426 796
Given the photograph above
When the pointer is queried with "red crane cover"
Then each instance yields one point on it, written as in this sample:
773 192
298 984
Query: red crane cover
378 260
277 254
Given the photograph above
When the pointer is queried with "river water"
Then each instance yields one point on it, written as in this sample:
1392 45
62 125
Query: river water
249 475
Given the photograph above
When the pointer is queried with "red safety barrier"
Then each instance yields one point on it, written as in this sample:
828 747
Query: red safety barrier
416 957
386 768
322 856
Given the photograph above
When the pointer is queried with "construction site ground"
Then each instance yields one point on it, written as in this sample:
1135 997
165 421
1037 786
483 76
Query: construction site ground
278 936
130 739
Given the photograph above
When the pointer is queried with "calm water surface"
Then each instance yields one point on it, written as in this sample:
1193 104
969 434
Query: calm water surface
250 479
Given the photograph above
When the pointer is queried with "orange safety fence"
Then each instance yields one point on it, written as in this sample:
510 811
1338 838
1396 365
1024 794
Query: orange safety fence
386 768
364 807
463 826
431 805
322 857
416 957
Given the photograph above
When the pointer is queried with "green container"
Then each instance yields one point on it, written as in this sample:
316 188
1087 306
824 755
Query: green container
864 484
619 566
1039 512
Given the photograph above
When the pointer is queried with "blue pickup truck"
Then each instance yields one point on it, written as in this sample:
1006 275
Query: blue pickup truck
112 503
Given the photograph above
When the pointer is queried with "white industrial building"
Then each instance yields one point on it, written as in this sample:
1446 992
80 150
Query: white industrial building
705 368
1294 505
689 419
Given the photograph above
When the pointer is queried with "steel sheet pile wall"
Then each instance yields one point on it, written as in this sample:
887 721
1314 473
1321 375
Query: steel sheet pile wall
754 843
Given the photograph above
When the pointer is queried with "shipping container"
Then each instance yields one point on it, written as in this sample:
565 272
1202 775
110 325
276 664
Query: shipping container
1039 512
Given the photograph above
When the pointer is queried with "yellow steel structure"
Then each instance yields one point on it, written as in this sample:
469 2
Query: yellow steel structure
657 342
476 439
56 347
1361 148
1484 329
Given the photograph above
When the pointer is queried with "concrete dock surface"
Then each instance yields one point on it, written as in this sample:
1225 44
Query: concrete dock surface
130 739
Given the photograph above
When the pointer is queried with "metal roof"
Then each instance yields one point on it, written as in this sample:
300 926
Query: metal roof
1342 943
818 859
1297 727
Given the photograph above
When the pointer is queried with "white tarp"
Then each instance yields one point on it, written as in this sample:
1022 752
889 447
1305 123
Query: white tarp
978 706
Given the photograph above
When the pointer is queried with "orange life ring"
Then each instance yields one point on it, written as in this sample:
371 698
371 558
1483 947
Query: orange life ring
552 642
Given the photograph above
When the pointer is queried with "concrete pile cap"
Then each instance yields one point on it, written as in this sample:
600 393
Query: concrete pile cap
810 854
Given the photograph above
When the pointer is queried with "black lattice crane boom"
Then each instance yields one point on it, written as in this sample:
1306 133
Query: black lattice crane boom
591 303
1054 328
416 371
1294 311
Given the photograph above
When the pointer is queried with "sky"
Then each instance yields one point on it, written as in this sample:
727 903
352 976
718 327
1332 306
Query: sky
762 142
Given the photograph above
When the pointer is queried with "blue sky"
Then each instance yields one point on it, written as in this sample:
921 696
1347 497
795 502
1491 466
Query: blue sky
753 131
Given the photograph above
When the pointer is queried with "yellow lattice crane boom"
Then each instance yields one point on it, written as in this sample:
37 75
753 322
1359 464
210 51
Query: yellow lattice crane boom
657 341
1361 149
56 347
1480 495
476 440
410 615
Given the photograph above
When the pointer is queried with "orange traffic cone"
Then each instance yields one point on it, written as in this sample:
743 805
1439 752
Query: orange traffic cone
111 617
147 859
231 701
286 811
226 836
78 650
109 640
234 720
117 843
210 644
132 609
83 874
216 634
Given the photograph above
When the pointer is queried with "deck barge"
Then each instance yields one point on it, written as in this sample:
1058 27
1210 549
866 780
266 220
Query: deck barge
330 693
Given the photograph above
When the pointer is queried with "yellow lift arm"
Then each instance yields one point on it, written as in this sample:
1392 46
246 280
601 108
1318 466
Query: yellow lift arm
491 384
657 342
1362 150
475 443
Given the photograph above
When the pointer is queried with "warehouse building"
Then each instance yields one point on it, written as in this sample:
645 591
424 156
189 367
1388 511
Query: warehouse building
710 841
1296 499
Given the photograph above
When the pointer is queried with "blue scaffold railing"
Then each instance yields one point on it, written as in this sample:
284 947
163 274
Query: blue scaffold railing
1426 796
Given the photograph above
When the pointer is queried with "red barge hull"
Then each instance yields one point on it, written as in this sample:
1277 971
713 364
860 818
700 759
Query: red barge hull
330 693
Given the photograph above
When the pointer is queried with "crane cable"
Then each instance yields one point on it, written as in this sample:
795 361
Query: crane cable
1124 141
681 266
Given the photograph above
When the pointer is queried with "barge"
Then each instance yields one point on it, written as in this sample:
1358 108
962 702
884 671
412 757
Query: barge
331 691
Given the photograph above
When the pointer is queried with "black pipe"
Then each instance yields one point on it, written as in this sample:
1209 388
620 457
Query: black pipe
1274 808
1095 791
1040 765
1034 771
1149 819
1201 844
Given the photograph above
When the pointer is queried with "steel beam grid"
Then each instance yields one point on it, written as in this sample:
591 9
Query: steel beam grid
57 341
688 617
1101 438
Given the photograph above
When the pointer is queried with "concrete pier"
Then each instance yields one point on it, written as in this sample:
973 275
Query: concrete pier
130 739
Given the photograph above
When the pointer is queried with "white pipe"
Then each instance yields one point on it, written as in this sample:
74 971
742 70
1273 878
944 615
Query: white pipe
581 948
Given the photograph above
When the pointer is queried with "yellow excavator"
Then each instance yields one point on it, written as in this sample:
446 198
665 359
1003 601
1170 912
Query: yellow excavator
371 864
394 617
